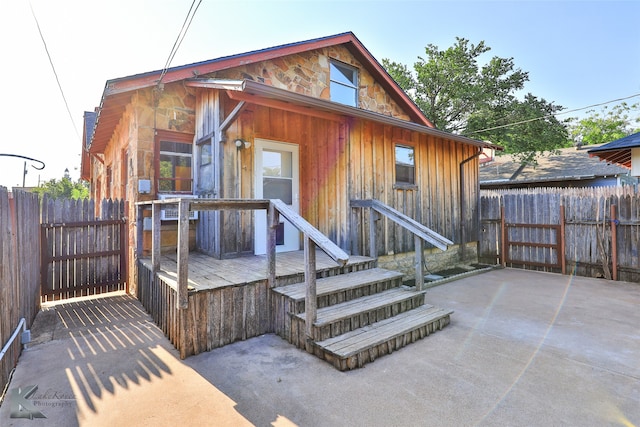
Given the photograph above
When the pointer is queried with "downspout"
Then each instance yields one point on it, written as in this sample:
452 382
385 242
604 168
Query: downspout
463 204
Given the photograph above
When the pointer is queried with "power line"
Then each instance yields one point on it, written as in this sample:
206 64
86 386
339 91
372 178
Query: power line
64 98
555 114
183 31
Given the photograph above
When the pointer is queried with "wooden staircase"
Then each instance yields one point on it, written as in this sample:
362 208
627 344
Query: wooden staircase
361 315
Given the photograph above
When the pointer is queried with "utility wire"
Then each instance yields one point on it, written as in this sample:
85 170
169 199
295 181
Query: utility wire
183 31
555 114
64 98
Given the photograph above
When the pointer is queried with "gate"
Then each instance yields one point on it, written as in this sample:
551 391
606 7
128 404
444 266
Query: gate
82 256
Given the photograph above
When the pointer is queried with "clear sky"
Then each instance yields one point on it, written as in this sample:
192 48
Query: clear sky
577 53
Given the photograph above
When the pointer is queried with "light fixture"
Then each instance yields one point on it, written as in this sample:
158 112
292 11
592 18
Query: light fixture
242 144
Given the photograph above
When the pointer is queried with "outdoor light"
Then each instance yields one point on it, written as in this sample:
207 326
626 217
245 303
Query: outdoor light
242 144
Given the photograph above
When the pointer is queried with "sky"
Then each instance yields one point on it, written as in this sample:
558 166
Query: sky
577 53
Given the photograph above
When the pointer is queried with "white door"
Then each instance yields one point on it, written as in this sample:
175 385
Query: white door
276 171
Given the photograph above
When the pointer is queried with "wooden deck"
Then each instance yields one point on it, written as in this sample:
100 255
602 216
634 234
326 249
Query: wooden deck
228 300
363 312
207 273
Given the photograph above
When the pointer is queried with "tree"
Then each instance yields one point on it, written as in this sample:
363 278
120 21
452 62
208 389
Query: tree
606 125
459 95
524 128
64 188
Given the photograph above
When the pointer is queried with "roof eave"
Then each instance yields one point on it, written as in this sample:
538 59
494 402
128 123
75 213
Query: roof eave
263 90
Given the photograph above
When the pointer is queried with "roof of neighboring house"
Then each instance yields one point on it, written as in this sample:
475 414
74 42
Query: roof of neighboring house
570 164
117 92
618 151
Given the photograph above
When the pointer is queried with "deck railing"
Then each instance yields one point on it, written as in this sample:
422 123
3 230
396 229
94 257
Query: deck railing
419 231
312 237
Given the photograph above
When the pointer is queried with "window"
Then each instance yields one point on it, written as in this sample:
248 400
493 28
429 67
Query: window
405 165
174 160
344 84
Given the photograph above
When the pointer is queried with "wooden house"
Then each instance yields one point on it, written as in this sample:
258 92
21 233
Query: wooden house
318 125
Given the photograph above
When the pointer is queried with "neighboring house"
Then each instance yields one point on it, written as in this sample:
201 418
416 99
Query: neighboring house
624 152
315 123
570 167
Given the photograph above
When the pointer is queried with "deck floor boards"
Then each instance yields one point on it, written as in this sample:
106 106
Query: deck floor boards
206 272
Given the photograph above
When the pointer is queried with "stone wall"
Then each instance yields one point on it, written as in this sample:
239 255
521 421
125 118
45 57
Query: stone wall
308 73
434 258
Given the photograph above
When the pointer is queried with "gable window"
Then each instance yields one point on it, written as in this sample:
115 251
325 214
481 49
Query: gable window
173 166
405 165
344 83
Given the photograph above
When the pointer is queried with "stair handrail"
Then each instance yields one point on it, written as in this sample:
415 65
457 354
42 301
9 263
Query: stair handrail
322 241
312 238
419 231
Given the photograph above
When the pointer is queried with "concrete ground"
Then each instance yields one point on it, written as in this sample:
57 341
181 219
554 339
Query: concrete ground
523 349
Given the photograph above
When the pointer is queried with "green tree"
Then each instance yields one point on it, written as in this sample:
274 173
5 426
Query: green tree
606 125
525 129
460 95
64 189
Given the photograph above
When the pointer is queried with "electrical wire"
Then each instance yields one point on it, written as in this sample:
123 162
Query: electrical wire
555 114
183 31
64 98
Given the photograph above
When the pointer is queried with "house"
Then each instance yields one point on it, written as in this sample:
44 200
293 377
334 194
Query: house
317 124
568 167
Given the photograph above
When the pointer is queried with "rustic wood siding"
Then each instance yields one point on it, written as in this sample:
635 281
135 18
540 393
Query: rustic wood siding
434 200
340 160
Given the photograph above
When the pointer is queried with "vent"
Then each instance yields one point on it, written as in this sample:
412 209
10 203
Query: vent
170 213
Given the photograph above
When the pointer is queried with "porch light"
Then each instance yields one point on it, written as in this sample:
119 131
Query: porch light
242 144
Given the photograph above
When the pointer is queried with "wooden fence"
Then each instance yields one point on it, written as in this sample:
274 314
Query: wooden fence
19 269
81 254
591 232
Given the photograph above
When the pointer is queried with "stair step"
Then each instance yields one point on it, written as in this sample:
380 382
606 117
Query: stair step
343 287
354 349
347 316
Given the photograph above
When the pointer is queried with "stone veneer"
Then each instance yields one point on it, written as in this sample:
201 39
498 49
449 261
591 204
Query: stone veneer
308 73
434 258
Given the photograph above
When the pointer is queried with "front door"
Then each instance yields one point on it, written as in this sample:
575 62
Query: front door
276 167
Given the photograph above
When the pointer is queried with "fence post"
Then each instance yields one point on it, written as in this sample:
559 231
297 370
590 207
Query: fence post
614 242
503 237
563 261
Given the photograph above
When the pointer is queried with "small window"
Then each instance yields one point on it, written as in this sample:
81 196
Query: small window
175 167
405 165
344 84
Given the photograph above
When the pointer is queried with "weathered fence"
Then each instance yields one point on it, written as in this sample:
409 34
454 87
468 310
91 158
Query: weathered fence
591 232
19 268
81 254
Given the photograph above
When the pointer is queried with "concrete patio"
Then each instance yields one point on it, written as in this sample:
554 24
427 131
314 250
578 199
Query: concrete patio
523 349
